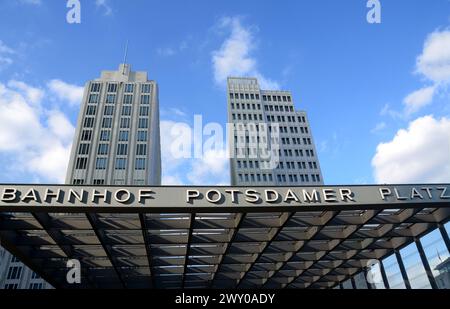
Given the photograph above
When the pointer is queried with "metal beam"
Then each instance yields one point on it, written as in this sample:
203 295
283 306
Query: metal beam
265 248
383 275
392 228
425 263
188 247
318 231
369 284
402 269
343 240
44 220
8 245
227 249
147 247
445 237
352 280
100 235
268 208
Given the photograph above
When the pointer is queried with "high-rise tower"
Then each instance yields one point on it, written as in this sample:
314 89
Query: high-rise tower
268 117
117 137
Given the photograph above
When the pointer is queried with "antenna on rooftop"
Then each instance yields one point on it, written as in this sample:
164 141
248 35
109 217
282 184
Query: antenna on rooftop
439 256
125 57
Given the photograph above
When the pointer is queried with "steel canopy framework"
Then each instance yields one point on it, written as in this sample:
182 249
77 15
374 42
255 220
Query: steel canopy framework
200 244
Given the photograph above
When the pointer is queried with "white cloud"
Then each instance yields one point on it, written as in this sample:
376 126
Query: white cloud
60 126
177 112
51 162
434 62
173 180
19 120
388 111
171 161
418 99
5 54
172 51
234 56
36 140
32 94
266 83
181 167
173 113
380 126
104 4
66 92
166 51
5 60
211 169
175 165
170 132
4 49
33 2
419 154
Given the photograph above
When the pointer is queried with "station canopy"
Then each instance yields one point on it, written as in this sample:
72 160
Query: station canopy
213 237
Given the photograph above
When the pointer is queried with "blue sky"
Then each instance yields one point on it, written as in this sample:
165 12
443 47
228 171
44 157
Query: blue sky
376 94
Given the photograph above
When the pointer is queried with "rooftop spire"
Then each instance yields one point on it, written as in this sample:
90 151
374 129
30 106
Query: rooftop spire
125 57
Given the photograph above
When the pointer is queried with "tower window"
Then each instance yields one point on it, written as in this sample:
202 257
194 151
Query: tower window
143 111
81 163
143 123
112 87
141 150
109 110
125 123
86 135
14 272
84 149
145 88
103 149
91 109
126 110
88 122
129 88
95 87
121 163
140 164
93 99
104 135
107 122
145 99
122 149
123 136
100 164
142 136
127 99
110 99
